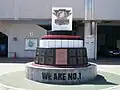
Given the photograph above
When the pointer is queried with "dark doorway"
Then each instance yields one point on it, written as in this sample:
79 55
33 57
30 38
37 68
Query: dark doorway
3 45
108 42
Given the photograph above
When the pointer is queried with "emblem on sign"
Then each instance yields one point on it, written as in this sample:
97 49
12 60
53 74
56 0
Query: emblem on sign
30 43
62 16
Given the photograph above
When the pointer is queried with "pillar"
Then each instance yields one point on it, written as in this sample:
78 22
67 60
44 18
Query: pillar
90 39
94 29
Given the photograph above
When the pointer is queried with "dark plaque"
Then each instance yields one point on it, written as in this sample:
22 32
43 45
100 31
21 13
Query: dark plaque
42 52
72 52
50 52
49 60
84 52
79 52
36 60
37 52
85 60
72 60
58 56
80 60
41 60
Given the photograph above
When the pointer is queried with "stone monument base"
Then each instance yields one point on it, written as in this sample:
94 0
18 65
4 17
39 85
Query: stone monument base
55 75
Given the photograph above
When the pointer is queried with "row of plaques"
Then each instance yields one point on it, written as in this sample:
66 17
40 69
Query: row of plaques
56 56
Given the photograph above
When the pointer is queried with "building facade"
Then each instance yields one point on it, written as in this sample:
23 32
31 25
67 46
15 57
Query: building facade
21 19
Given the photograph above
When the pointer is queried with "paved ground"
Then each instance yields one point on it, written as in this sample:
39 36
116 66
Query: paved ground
11 65
16 60
20 81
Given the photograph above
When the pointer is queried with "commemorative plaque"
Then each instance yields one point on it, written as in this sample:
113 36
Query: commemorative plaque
50 52
79 52
49 60
72 52
67 56
42 52
41 60
80 60
36 59
72 61
37 51
61 56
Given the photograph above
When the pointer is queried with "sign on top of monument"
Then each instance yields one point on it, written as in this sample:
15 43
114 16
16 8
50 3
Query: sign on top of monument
61 18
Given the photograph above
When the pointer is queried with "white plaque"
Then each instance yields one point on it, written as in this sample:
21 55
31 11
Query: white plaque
31 33
31 43
61 18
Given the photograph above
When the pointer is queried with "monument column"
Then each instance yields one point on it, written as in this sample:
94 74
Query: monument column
61 57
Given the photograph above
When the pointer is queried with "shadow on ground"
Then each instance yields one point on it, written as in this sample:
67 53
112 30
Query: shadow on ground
99 80
16 60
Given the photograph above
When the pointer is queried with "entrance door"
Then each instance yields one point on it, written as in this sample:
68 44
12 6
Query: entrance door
3 45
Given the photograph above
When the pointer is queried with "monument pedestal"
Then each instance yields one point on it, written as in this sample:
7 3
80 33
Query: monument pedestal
61 57
55 75
66 63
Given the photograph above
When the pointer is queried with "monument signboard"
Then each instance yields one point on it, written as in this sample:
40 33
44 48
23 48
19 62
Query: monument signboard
61 18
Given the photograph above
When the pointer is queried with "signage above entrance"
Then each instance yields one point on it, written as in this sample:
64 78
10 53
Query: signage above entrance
61 18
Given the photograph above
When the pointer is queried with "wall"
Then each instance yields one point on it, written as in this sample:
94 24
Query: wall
37 9
21 31
6 9
3 28
41 9
107 9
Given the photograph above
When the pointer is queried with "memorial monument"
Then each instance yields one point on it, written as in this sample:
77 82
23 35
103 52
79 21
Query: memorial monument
61 57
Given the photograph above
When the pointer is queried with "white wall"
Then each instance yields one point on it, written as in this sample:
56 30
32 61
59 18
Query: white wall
41 9
21 31
38 9
107 9
6 9
3 28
